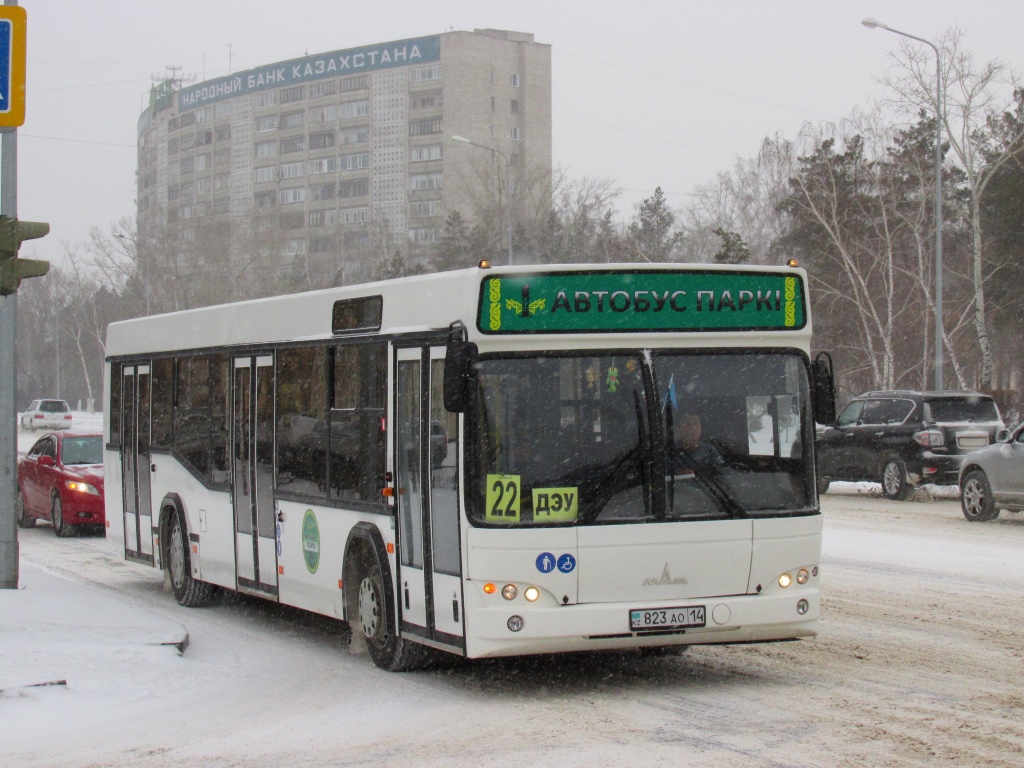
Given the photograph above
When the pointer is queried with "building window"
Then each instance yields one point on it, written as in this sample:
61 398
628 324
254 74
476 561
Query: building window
295 93
359 83
325 88
319 192
515 79
353 215
292 170
321 140
515 106
514 133
293 120
223 109
202 115
420 181
296 195
315 219
186 190
422 74
266 99
355 109
204 186
427 100
294 144
222 133
357 188
291 221
330 114
356 135
427 208
222 156
354 162
189 118
294 247
172 147
223 205
266 199
330 217
223 181
265 174
266 149
188 141
264 124
172 192
325 165
422 235
321 244
187 165
421 154
423 127
202 162
173 124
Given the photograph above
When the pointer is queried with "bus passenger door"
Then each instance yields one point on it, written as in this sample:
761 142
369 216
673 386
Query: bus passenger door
426 471
138 504
252 474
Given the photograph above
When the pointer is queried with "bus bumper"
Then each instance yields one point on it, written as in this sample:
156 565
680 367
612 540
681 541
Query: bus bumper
605 626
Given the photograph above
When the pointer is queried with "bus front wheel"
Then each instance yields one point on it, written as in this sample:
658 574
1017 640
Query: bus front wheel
376 621
188 591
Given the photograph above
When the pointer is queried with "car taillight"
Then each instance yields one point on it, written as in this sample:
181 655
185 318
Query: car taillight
38 416
67 417
930 438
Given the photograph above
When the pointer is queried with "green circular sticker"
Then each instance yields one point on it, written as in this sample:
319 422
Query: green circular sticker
310 541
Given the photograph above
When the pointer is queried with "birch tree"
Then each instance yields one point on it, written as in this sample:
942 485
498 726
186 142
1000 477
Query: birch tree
973 96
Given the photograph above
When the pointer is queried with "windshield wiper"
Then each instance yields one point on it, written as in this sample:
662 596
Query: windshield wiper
712 485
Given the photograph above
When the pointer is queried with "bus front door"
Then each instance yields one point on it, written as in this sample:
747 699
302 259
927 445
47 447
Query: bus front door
252 474
430 600
135 468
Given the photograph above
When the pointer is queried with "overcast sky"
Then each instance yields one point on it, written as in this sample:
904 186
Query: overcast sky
648 92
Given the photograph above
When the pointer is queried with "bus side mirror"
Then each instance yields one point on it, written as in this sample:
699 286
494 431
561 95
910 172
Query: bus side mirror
459 372
823 389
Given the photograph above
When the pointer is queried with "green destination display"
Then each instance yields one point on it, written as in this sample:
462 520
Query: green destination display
628 302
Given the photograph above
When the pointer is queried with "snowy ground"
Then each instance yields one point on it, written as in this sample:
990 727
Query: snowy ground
919 661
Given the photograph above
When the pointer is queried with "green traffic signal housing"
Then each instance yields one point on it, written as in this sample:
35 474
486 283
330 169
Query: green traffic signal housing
12 269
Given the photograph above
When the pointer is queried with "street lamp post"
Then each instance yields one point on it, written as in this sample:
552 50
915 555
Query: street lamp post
508 174
873 24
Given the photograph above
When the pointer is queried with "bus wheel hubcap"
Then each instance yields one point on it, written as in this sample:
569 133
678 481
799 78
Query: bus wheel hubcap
369 608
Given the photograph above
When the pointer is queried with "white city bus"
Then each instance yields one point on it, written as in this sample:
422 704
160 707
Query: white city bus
485 461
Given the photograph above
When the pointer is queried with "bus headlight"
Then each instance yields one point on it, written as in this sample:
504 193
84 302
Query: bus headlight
802 576
785 580
509 591
532 594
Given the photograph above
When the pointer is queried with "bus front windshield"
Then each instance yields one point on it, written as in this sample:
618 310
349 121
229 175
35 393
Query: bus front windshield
643 437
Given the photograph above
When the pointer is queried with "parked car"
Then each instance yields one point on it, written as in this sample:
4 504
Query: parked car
992 479
905 438
61 480
47 414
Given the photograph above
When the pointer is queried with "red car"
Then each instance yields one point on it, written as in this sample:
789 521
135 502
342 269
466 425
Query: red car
61 480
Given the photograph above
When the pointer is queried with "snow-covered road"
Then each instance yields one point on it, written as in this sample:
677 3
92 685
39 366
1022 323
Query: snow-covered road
919 662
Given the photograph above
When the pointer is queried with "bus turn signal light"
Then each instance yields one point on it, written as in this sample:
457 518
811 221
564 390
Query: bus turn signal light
489 589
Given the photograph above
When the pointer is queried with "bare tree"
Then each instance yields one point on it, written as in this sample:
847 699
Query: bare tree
973 96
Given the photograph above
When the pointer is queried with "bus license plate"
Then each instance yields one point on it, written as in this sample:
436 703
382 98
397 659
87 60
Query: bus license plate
683 617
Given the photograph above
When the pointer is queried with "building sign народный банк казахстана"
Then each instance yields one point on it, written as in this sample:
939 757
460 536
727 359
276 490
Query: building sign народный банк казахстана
631 302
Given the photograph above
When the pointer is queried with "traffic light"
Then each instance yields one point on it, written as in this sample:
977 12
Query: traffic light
12 269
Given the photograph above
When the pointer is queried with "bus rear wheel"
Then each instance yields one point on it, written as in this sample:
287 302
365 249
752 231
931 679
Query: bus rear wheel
376 621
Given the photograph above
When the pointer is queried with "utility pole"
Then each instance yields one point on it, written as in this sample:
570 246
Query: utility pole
12 271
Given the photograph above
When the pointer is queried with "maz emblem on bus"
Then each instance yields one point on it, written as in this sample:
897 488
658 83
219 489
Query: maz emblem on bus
666 578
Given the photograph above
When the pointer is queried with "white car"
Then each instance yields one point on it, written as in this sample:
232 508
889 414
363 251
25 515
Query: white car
47 414
992 478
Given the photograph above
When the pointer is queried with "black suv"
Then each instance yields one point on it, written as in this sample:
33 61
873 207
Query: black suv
904 438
